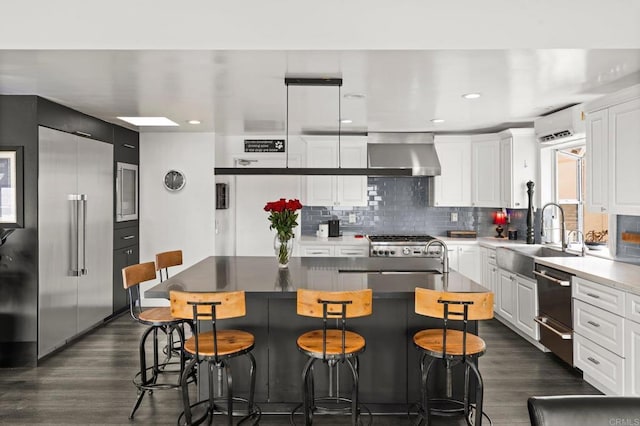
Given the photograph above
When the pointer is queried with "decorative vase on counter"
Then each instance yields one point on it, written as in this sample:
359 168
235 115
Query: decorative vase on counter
283 250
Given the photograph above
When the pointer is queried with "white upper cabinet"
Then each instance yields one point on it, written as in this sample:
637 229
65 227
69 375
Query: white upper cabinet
518 161
624 152
613 148
453 186
336 190
597 157
485 171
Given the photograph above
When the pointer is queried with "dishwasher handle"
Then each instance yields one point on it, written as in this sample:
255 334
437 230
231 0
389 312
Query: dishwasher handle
563 283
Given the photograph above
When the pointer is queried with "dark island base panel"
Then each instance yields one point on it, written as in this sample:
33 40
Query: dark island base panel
389 370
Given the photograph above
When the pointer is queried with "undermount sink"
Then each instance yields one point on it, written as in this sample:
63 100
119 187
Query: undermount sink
521 259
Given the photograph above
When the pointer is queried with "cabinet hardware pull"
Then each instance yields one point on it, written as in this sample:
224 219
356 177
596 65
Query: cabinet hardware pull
595 296
126 145
128 237
562 283
78 132
543 321
352 252
595 324
492 257
593 360
316 252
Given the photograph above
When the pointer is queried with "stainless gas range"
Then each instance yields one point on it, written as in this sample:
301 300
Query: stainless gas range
399 245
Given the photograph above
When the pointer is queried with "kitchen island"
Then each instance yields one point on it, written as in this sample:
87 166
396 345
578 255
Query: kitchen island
389 372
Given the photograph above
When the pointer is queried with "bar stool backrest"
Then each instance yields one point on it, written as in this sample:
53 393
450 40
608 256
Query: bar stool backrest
132 276
198 307
311 303
432 303
166 260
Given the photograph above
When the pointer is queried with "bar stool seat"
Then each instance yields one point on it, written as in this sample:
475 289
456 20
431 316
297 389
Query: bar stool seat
157 315
230 342
432 342
311 343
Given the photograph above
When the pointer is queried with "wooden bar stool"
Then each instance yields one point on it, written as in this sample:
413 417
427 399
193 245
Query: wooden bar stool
216 347
332 346
167 259
158 319
452 346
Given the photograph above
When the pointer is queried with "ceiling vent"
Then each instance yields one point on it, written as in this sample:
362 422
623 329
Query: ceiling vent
561 126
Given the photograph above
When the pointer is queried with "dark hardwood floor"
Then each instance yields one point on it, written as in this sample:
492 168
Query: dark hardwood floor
89 382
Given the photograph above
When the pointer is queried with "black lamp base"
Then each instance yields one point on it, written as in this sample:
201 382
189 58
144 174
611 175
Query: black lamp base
499 231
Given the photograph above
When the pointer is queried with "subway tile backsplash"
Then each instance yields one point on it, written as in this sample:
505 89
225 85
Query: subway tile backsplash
400 206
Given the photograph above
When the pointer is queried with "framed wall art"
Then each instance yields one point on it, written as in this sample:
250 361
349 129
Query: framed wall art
11 187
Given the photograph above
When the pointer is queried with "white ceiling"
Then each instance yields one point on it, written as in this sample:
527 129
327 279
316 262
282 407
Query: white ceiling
234 92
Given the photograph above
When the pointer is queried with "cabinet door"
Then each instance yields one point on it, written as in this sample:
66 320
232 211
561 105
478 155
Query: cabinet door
126 145
527 307
122 258
352 190
352 251
632 359
321 190
469 261
506 172
493 285
485 184
624 151
453 257
597 157
507 302
453 186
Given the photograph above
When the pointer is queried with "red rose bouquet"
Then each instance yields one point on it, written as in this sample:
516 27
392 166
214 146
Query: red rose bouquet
283 218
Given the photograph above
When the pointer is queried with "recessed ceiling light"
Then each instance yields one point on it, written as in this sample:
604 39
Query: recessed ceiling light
149 121
353 96
346 121
437 120
193 121
471 95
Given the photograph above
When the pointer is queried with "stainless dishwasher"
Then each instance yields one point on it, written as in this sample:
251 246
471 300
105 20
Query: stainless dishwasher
555 311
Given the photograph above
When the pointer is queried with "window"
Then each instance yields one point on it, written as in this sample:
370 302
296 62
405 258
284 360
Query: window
571 195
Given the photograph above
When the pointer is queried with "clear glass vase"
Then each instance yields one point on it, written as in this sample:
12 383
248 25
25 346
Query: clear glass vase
283 250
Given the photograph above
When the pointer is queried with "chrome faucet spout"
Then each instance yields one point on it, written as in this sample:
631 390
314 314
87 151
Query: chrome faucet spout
445 253
562 224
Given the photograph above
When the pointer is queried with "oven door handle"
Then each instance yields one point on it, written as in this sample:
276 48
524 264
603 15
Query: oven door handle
543 321
553 279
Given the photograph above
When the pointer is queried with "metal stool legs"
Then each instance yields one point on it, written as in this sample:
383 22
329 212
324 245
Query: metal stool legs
212 368
142 381
424 411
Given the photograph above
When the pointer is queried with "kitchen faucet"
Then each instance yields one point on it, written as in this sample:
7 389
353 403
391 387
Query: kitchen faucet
562 225
578 233
445 253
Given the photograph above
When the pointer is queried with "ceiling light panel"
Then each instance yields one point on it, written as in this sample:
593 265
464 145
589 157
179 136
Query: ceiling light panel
149 121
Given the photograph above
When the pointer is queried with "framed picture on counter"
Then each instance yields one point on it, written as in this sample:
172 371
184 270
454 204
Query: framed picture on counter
11 187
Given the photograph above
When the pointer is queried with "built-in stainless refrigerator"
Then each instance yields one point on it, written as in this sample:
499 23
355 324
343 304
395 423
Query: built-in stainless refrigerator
75 236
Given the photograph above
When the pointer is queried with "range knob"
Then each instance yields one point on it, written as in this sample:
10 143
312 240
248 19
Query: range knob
386 252
393 252
374 252
406 251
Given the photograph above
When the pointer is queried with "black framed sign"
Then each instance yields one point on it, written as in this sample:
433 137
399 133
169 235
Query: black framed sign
11 187
264 145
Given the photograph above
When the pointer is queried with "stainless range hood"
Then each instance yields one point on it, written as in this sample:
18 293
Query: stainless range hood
414 152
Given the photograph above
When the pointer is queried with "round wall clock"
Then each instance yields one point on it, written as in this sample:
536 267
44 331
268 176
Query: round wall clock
174 180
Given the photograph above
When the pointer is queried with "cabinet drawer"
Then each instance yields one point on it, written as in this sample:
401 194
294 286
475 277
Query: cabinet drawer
126 145
316 251
603 366
632 311
600 326
352 251
491 256
604 297
125 237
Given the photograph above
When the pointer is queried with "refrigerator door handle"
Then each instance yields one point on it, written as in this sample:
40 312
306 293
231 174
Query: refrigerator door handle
74 237
83 202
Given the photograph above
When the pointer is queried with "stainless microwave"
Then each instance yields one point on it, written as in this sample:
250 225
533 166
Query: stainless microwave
126 192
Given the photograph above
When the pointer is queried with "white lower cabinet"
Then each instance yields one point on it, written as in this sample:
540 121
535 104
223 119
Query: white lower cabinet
489 273
465 259
632 358
600 326
507 295
317 251
602 368
351 251
527 306
334 250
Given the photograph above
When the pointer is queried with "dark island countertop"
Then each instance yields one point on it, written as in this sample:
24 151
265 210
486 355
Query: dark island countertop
387 277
